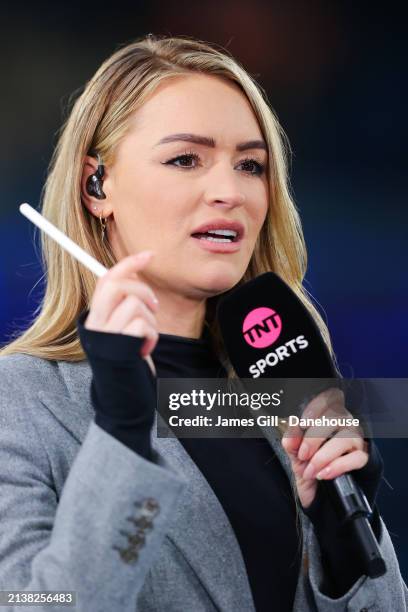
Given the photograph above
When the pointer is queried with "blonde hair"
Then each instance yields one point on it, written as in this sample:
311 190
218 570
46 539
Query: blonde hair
98 121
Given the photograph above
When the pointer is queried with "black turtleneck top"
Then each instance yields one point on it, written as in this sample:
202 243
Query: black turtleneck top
244 473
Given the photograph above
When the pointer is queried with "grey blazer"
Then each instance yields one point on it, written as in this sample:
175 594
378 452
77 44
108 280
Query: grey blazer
80 511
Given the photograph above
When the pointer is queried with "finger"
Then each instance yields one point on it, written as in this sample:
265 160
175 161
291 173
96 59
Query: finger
313 439
141 329
333 448
316 435
130 308
329 403
298 467
129 265
352 461
111 294
330 399
292 439
290 445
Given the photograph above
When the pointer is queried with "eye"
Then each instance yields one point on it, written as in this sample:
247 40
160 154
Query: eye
258 167
184 160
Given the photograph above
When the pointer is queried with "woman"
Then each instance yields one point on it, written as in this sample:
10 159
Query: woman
170 135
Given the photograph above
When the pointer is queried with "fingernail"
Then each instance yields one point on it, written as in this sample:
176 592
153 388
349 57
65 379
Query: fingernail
323 473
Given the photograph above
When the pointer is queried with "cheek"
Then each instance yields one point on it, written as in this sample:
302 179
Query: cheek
155 218
143 203
260 209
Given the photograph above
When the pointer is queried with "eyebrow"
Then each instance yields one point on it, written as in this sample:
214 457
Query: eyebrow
210 142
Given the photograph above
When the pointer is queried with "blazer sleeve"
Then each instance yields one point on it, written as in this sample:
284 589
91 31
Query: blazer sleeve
101 537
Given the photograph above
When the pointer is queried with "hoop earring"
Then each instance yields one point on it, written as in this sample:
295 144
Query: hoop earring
103 223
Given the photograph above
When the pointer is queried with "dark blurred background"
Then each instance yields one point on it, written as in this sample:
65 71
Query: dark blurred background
334 74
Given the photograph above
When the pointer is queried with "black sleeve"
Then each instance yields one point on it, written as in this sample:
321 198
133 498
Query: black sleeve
342 567
123 389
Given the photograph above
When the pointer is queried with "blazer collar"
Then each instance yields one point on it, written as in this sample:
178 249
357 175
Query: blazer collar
197 505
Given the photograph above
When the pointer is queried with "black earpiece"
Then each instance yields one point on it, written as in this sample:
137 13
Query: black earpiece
94 181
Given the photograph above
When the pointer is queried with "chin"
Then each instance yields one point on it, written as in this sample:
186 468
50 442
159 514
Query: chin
218 280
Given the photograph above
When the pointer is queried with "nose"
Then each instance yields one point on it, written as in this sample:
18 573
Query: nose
224 190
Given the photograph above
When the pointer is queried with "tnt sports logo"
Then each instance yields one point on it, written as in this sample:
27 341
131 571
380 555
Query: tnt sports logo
261 327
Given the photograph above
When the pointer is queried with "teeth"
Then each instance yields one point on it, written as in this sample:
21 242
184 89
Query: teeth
222 232
211 239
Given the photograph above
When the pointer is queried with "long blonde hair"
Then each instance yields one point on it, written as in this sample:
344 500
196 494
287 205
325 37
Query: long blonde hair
98 121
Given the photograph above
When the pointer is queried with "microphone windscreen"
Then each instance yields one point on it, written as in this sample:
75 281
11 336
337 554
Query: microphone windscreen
268 332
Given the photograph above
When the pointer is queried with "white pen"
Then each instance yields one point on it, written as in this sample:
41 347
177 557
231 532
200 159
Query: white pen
69 245
66 243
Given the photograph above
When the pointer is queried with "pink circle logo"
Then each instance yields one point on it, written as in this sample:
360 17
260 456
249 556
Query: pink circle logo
261 327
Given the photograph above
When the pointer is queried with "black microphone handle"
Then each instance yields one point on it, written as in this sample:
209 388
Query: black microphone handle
372 559
354 510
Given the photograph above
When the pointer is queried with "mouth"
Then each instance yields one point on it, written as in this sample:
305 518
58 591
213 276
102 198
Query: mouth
219 236
220 232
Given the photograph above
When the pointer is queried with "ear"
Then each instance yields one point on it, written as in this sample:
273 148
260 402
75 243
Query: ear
95 207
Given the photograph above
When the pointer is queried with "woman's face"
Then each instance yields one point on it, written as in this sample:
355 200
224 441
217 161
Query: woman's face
162 187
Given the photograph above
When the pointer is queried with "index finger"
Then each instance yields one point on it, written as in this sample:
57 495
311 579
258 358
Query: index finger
129 264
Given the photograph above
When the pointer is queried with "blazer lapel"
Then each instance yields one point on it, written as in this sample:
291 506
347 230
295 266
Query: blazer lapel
71 404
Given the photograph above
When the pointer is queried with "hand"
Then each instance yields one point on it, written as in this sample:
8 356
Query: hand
314 456
123 304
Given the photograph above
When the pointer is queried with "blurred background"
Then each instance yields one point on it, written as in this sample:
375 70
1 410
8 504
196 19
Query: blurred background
334 74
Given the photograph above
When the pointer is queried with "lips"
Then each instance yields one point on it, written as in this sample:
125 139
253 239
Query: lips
222 224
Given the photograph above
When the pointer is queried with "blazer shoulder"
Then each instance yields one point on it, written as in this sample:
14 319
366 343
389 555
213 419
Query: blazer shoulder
23 375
